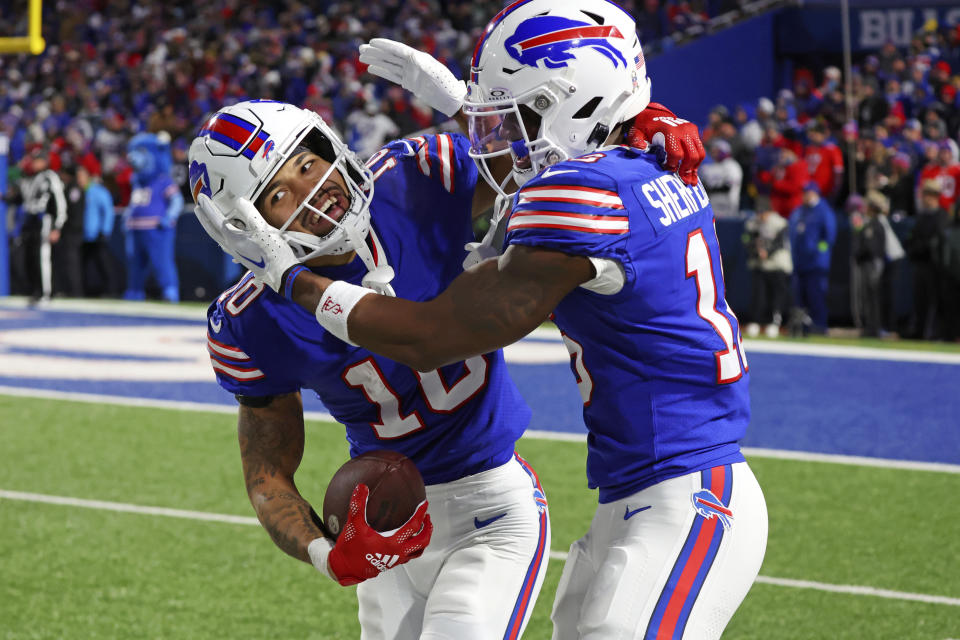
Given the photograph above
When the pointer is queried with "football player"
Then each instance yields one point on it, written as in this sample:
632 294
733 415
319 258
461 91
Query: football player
388 224
285 171
624 257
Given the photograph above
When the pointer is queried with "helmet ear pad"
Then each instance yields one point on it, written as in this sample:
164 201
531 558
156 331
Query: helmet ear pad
599 135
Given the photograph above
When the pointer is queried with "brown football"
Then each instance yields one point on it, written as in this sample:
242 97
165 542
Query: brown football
396 490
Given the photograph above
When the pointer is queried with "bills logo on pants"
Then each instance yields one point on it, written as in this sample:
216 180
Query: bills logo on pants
708 506
713 520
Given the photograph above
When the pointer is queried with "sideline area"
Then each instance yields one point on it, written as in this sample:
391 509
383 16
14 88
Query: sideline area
818 397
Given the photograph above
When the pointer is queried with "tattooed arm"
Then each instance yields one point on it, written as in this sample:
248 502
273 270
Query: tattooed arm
488 306
271 447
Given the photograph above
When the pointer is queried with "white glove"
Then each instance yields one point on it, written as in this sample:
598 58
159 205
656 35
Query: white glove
417 72
245 235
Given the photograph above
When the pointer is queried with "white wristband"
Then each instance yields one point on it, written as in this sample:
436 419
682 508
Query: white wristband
318 550
335 306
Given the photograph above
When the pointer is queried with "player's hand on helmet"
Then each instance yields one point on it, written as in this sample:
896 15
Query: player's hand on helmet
245 235
361 552
675 140
417 72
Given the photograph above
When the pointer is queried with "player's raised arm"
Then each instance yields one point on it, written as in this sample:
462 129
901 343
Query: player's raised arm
487 307
431 81
657 129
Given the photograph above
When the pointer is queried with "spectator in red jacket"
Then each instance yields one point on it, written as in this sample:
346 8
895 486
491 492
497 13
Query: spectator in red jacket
946 171
787 181
824 161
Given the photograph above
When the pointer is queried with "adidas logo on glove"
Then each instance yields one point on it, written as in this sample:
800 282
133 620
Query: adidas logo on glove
382 562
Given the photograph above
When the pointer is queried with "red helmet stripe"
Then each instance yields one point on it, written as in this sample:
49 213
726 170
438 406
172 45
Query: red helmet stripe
574 33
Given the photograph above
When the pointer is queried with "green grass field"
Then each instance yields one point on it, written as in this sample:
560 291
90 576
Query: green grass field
72 572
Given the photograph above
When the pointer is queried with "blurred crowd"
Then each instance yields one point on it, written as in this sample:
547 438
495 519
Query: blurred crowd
113 70
886 169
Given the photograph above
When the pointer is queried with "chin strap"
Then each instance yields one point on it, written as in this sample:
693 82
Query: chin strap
492 242
379 273
379 280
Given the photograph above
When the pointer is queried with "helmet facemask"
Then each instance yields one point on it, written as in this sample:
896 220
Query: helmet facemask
350 231
505 127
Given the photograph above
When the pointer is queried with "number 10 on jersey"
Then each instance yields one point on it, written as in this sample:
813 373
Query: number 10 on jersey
440 397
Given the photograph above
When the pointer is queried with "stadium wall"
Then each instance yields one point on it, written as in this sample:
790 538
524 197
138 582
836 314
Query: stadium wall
755 58
733 66
817 29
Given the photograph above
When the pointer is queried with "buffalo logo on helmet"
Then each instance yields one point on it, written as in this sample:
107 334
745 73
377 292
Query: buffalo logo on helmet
267 149
709 507
552 39
199 180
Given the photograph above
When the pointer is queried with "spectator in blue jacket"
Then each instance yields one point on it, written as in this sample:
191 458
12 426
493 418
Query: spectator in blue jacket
98 215
813 231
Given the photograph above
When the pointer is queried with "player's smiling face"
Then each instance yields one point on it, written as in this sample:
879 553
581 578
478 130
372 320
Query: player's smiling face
292 185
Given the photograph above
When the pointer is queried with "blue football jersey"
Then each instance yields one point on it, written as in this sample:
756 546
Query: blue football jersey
455 421
658 363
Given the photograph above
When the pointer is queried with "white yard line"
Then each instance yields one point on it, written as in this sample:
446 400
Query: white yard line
535 434
554 555
786 454
113 307
860 461
857 590
125 508
813 349
538 434
127 401
849 351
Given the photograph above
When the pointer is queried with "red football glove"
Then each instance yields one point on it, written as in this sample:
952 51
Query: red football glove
658 127
362 552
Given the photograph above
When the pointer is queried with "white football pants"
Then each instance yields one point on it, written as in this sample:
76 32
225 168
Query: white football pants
481 573
674 560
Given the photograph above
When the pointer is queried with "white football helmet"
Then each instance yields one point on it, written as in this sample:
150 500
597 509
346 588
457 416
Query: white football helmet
241 147
577 64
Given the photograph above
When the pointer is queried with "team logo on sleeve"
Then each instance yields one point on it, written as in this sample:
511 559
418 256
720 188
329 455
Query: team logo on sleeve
552 39
708 506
